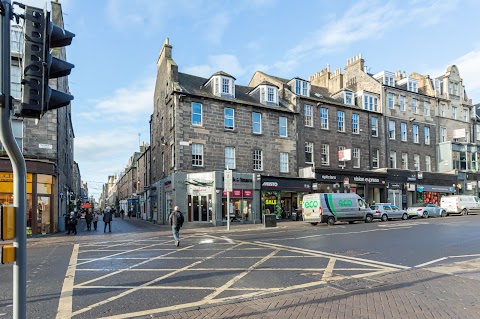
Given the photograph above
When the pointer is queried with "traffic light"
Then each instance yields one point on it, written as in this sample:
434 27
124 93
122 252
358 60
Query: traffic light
41 35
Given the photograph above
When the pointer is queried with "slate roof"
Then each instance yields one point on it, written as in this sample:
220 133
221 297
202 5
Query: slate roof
194 85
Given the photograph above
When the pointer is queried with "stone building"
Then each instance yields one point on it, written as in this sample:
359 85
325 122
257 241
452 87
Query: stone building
47 146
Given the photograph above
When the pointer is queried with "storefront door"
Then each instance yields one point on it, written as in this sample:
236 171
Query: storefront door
43 214
198 209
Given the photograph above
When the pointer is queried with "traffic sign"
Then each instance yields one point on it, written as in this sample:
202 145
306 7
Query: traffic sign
228 180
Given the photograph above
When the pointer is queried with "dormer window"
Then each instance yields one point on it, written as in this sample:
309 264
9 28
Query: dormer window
222 85
413 85
385 77
389 80
349 98
300 87
266 93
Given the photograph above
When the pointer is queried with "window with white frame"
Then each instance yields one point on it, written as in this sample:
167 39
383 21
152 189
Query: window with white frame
370 102
465 114
270 94
307 112
442 109
427 135
256 123
428 163
356 157
301 87
403 131
325 154
308 152
341 163
374 125
355 123
426 108
402 103
229 119
197 115
416 137
172 155
226 86
172 116
282 122
455 89
375 158
341 121
416 162
443 134
389 80
283 162
16 40
412 85
454 112
391 130
197 154
349 98
17 129
257 160
404 161
16 81
324 118
390 100
450 87
393 159
229 157
414 106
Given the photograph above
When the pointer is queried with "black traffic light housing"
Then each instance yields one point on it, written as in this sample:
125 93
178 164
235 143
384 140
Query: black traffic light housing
41 35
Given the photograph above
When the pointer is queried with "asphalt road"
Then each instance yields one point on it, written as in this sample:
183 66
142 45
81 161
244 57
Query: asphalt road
136 271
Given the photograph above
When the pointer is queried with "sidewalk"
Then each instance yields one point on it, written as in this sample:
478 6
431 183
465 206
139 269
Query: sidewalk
413 293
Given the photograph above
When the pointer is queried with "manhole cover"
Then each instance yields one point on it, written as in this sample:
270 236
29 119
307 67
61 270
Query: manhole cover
351 284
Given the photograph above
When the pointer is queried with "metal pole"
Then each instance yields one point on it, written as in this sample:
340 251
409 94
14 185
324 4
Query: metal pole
228 210
19 171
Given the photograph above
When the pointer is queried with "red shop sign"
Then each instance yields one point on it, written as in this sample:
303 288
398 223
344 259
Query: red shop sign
238 193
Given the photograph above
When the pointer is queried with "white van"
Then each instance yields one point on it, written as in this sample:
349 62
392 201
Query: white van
460 204
332 207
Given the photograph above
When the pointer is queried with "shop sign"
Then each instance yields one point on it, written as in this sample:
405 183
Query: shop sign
328 177
394 185
366 179
8 177
411 178
270 202
239 193
286 184
346 181
435 189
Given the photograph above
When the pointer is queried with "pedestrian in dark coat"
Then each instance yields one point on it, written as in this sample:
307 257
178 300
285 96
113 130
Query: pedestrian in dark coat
89 219
95 220
176 221
72 224
107 219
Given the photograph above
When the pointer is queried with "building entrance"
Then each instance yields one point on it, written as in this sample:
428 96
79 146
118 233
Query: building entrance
199 209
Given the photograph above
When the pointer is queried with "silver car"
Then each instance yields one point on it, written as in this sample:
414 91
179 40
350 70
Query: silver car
387 211
426 210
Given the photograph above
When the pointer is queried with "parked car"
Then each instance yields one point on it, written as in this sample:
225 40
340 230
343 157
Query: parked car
426 210
387 211
460 204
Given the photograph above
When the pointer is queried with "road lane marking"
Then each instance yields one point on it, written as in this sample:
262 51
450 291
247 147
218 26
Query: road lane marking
239 276
327 274
64 310
340 257
125 293
430 262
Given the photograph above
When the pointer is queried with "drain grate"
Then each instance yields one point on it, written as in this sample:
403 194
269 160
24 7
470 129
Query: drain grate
352 284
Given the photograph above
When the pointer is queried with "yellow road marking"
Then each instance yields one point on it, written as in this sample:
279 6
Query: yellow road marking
64 310
327 273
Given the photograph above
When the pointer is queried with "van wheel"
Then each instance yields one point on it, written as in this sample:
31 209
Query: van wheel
404 216
384 218
331 220
425 215
444 213
369 219
314 224
464 212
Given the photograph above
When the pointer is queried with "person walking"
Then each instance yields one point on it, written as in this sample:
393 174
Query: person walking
122 213
107 219
95 220
88 219
72 224
176 221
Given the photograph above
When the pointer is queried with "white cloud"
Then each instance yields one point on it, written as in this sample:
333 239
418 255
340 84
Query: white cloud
224 62
216 26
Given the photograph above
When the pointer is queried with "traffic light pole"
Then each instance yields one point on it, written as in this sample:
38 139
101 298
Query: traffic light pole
19 169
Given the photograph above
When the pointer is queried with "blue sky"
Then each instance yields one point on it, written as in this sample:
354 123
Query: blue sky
117 45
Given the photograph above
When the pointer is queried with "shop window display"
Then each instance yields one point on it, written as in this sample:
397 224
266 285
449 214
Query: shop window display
429 197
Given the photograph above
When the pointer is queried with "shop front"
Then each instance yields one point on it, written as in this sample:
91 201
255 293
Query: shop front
401 187
432 186
282 196
40 208
369 185
241 198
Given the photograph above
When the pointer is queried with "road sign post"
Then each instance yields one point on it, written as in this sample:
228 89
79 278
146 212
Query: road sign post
228 187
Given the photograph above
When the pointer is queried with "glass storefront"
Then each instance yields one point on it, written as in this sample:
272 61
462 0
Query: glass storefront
240 205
